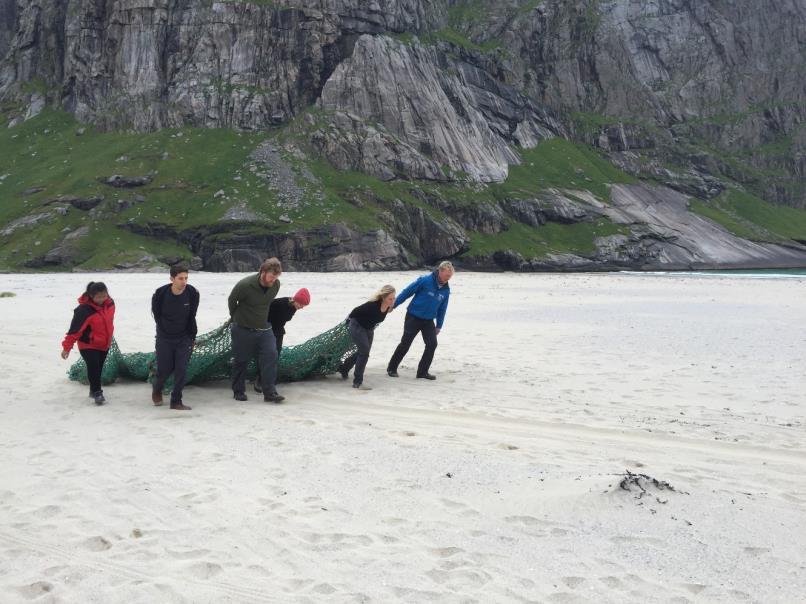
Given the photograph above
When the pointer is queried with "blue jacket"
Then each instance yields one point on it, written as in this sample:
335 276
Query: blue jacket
430 300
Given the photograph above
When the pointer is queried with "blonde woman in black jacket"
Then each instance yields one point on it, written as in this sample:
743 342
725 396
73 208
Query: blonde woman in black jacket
362 322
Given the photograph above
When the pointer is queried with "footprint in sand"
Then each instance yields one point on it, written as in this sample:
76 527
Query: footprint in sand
573 582
395 521
446 552
566 598
756 551
205 570
453 505
191 554
47 511
527 520
694 588
324 588
612 582
96 544
35 590
739 595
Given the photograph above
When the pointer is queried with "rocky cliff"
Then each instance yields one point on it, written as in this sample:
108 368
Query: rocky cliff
440 111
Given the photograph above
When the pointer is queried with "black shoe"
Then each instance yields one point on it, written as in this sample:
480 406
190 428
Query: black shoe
356 384
427 376
273 398
258 387
99 397
391 373
240 396
345 373
180 407
156 398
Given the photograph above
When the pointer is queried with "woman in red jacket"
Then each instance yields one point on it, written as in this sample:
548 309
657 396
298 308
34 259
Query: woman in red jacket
92 328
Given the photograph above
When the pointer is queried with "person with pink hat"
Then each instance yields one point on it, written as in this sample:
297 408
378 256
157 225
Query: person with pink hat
281 311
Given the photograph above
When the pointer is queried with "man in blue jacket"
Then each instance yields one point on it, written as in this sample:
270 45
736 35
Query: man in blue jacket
431 293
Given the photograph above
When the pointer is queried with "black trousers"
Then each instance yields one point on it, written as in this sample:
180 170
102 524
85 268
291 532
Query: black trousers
411 327
95 364
279 340
247 343
173 356
363 340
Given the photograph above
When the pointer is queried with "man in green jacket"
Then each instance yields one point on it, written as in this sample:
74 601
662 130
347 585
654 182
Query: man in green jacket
251 333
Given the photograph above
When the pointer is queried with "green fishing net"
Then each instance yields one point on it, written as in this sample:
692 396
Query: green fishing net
212 359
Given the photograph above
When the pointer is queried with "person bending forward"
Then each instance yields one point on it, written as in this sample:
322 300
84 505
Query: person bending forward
362 322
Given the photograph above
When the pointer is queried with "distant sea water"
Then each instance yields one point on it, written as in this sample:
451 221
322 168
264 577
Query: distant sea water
766 273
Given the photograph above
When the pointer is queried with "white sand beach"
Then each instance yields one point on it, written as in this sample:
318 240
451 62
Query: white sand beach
498 482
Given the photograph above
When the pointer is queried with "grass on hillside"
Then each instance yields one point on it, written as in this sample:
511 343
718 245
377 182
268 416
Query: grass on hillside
200 173
550 238
191 167
747 216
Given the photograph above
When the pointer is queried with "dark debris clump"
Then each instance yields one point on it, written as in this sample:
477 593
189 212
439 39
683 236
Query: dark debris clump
642 484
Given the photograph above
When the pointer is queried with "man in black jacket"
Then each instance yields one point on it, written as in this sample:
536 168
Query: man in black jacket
174 308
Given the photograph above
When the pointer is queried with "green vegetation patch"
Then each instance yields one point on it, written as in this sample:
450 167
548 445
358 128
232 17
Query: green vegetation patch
747 216
561 164
550 238
201 175
197 174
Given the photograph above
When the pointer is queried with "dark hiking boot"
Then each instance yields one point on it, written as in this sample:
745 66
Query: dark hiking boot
180 407
273 398
156 398
99 397
427 376
356 384
361 386
240 396
391 373
258 387
345 373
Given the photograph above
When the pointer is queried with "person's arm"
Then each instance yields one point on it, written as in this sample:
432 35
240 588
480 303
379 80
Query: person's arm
443 308
192 328
410 290
156 307
234 298
77 327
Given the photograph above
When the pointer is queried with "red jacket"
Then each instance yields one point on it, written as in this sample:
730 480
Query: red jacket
92 326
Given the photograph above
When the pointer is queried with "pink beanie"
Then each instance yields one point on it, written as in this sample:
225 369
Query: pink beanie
303 297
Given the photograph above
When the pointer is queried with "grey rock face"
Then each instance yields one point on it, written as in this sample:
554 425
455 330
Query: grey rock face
351 144
333 248
80 203
8 18
426 238
674 238
684 82
708 73
446 115
126 182
26 221
64 254
552 206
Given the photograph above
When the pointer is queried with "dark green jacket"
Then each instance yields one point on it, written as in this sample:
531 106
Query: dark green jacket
249 303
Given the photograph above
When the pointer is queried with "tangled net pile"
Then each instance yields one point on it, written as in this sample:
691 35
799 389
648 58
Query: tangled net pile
212 359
